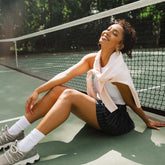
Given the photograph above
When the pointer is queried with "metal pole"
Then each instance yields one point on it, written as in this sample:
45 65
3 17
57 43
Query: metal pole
16 55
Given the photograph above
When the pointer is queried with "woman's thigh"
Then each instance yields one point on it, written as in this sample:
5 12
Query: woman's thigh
45 103
83 106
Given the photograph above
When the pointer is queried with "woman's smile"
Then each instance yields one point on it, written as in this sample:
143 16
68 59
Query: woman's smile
105 37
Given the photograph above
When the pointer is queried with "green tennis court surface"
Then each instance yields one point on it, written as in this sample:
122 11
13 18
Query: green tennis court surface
74 143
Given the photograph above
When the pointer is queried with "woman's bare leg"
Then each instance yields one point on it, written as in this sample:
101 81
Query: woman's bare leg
45 103
73 101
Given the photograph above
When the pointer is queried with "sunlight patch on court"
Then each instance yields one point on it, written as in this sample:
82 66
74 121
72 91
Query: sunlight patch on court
113 157
157 137
51 157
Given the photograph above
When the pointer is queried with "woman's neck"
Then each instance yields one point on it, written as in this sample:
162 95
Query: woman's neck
105 55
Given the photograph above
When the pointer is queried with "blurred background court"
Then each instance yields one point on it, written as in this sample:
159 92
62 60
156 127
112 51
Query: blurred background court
39 39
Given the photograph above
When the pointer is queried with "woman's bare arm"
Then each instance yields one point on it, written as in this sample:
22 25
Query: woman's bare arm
81 67
128 98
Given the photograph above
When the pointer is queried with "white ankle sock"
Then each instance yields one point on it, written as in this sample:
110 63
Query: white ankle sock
30 140
20 125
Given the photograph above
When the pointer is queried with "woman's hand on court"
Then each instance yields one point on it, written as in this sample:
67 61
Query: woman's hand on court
155 124
31 101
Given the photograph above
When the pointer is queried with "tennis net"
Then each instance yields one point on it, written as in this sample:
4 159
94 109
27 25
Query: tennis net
48 52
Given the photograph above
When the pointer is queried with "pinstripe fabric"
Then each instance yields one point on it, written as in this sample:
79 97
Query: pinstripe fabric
115 123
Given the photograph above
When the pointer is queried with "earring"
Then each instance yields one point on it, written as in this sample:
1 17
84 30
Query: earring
99 45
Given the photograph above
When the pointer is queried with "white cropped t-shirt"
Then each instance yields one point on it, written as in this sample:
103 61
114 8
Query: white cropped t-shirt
111 89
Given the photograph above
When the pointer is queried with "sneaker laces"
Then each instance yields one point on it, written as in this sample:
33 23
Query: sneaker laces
3 129
3 134
13 154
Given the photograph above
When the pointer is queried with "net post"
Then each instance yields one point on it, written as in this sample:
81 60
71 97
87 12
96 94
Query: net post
16 55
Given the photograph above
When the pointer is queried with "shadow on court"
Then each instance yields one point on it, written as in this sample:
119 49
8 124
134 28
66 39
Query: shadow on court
89 145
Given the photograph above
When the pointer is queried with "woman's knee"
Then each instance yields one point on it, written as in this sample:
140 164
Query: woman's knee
57 91
68 94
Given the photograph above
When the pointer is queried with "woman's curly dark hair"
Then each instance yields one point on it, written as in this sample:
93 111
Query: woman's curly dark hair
129 37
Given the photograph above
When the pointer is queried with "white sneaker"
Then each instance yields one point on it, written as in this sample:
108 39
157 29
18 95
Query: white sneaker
7 139
16 157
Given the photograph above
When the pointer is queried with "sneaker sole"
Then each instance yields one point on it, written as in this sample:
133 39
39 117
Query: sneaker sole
29 160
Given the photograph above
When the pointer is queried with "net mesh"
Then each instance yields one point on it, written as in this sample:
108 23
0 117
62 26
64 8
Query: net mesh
46 55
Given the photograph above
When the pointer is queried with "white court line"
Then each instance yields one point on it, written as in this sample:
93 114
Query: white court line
4 71
12 119
155 87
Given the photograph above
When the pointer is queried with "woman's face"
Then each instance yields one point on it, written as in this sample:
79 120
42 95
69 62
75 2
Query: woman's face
112 37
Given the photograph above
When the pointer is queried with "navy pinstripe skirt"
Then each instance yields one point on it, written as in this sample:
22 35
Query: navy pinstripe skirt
115 123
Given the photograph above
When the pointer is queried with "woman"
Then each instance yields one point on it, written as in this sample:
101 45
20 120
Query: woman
104 110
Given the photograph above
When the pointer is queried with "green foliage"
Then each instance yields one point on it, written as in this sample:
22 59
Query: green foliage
66 13
153 13
21 17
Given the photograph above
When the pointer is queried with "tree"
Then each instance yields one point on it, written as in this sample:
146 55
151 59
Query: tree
18 17
154 13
